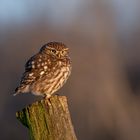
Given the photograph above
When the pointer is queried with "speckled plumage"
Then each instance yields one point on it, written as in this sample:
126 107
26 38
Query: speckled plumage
47 71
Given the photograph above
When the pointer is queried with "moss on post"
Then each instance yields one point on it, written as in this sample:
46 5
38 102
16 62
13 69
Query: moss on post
48 119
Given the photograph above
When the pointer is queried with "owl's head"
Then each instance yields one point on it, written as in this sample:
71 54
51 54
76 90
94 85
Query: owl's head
55 49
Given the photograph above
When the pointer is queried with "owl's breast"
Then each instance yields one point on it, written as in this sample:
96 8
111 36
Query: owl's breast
53 80
59 78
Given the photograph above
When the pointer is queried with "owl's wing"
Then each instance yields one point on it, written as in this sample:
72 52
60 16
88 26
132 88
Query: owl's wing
31 69
30 64
28 76
35 68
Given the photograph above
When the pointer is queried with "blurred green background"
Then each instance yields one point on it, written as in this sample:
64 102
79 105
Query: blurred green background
104 40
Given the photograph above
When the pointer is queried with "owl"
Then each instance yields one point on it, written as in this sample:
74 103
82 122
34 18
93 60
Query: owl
47 71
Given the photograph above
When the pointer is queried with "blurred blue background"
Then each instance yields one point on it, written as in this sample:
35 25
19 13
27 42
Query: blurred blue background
104 40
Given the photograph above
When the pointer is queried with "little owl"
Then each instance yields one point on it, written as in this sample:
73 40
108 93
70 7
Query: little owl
46 71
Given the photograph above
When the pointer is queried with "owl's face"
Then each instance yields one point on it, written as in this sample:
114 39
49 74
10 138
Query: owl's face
56 50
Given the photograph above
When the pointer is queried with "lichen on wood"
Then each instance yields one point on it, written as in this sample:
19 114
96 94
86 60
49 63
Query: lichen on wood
48 119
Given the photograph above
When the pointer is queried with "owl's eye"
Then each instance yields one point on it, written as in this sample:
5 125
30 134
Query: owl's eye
53 51
63 52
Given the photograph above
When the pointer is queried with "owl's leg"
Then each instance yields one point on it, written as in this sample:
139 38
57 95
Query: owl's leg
47 96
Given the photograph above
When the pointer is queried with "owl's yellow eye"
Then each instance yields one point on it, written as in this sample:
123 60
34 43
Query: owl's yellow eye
53 51
63 52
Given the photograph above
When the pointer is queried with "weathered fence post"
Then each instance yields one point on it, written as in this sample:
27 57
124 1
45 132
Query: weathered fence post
48 119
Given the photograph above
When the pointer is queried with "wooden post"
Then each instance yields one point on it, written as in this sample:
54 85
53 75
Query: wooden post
48 119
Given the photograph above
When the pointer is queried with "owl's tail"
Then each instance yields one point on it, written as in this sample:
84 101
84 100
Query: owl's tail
21 89
17 91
